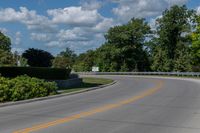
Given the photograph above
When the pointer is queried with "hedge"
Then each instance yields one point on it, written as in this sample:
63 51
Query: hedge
24 87
38 72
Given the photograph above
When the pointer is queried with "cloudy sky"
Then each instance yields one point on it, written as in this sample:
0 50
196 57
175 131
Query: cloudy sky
53 25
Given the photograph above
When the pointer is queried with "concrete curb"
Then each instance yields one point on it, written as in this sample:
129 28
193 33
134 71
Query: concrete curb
55 96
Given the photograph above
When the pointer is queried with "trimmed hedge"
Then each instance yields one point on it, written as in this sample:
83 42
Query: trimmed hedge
38 72
24 87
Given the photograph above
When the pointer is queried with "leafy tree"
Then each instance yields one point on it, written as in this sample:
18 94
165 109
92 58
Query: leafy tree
68 53
65 59
7 58
106 58
123 50
172 31
5 43
85 61
131 34
184 61
124 47
196 45
62 62
20 61
38 58
160 61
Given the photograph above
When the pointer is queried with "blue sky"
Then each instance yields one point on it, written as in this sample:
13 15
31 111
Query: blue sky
53 25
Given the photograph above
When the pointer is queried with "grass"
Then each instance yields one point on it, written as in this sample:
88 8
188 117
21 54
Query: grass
87 83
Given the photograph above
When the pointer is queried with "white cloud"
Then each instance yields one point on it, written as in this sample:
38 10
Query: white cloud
3 30
79 38
17 38
142 8
78 27
176 2
78 46
75 16
91 4
19 50
54 44
9 14
104 25
83 33
43 37
198 10
76 34
28 17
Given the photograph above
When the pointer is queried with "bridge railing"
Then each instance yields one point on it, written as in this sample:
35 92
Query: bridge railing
193 74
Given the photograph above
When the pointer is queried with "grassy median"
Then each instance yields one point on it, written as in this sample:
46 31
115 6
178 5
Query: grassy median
87 83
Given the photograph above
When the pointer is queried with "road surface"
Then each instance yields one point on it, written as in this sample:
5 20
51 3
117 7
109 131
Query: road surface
132 105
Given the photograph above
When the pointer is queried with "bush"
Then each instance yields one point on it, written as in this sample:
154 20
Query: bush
38 72
5 91
24 87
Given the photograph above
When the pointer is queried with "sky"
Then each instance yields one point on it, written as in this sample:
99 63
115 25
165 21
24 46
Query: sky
53 25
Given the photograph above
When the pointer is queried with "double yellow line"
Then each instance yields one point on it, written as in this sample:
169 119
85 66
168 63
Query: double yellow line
149 92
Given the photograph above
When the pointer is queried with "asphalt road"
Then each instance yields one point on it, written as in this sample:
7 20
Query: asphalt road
132 105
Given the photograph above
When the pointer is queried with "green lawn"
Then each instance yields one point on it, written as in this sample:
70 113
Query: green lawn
87 83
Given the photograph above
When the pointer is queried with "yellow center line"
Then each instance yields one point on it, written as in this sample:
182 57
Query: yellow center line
149 92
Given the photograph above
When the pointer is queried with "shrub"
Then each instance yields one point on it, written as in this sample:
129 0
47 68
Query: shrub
5 91
24 87
38 72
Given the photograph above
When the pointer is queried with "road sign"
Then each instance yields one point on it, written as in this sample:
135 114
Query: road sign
95 69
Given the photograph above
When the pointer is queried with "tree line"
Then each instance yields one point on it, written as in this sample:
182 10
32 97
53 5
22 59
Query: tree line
173 45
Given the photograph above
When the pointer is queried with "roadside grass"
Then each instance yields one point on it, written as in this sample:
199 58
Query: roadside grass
87 83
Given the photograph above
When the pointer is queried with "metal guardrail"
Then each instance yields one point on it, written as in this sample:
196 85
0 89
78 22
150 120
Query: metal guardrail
193 74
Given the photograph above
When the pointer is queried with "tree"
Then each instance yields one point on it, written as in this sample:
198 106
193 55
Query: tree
106 58
68 53
124 47
5 43
65 59
7 58
62 62
160 61
172 31
85 61
20 61
38 58
196 45
184 61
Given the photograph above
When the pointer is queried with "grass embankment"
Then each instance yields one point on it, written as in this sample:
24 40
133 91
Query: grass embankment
87 83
